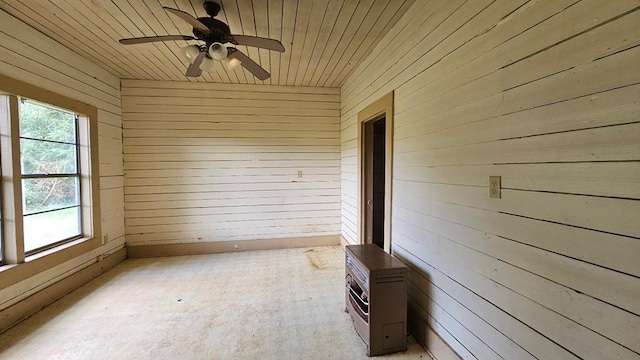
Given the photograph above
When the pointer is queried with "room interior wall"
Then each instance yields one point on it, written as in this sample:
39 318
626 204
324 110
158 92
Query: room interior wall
219 167
31 57
543 94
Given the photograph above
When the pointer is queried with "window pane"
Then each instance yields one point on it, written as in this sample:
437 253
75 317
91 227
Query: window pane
40 157
43 122
42 194
51 211
50 227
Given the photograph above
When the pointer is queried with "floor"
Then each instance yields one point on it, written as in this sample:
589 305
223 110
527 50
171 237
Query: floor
278 304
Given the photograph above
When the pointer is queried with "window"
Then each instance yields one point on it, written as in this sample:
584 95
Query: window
49 192
50 175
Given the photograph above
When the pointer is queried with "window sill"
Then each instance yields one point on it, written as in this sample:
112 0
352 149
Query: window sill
7 267
35 264
53 250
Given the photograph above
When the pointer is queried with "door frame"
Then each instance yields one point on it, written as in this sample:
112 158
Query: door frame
382 107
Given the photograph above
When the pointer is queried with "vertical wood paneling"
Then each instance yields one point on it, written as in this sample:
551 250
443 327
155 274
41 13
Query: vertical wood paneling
28 55
543 94
216 162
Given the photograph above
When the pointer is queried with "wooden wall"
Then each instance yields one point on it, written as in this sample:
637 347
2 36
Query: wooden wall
29 56
210 163
544 94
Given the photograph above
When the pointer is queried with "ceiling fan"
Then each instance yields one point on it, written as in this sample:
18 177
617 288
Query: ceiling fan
219 43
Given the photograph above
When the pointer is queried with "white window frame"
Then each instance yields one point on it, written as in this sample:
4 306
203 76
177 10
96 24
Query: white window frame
76 175
17 265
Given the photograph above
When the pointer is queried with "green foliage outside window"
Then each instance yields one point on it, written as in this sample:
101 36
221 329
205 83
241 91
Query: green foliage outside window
48 147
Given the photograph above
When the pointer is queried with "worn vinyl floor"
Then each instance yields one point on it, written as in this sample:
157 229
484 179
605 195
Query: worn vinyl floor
278 304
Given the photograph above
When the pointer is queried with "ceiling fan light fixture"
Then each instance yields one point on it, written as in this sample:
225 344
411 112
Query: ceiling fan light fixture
217 51
208 65
231 63
191 52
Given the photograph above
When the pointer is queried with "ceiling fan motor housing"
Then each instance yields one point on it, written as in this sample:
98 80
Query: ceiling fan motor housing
218 31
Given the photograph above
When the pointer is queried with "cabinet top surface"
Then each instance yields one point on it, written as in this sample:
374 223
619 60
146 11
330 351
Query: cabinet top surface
374 258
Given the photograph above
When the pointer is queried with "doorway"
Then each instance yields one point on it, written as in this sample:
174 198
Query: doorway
374 136
374 176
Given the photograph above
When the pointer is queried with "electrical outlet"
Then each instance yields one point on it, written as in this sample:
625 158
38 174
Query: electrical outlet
494 187
299 174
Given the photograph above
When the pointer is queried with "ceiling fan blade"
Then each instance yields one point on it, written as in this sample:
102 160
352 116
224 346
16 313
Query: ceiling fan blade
265 43
194 69
147 39
188 18
249 64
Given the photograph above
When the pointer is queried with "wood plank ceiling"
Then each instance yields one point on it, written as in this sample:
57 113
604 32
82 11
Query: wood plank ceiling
324 39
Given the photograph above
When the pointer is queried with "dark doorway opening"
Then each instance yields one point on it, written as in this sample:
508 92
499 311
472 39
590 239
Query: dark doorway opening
375 155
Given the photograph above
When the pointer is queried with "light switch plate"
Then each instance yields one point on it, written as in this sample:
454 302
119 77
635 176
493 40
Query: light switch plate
495 187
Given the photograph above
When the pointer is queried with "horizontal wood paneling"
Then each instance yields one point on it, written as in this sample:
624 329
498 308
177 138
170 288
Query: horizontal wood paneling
30 56
211 163
543 94
63 285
